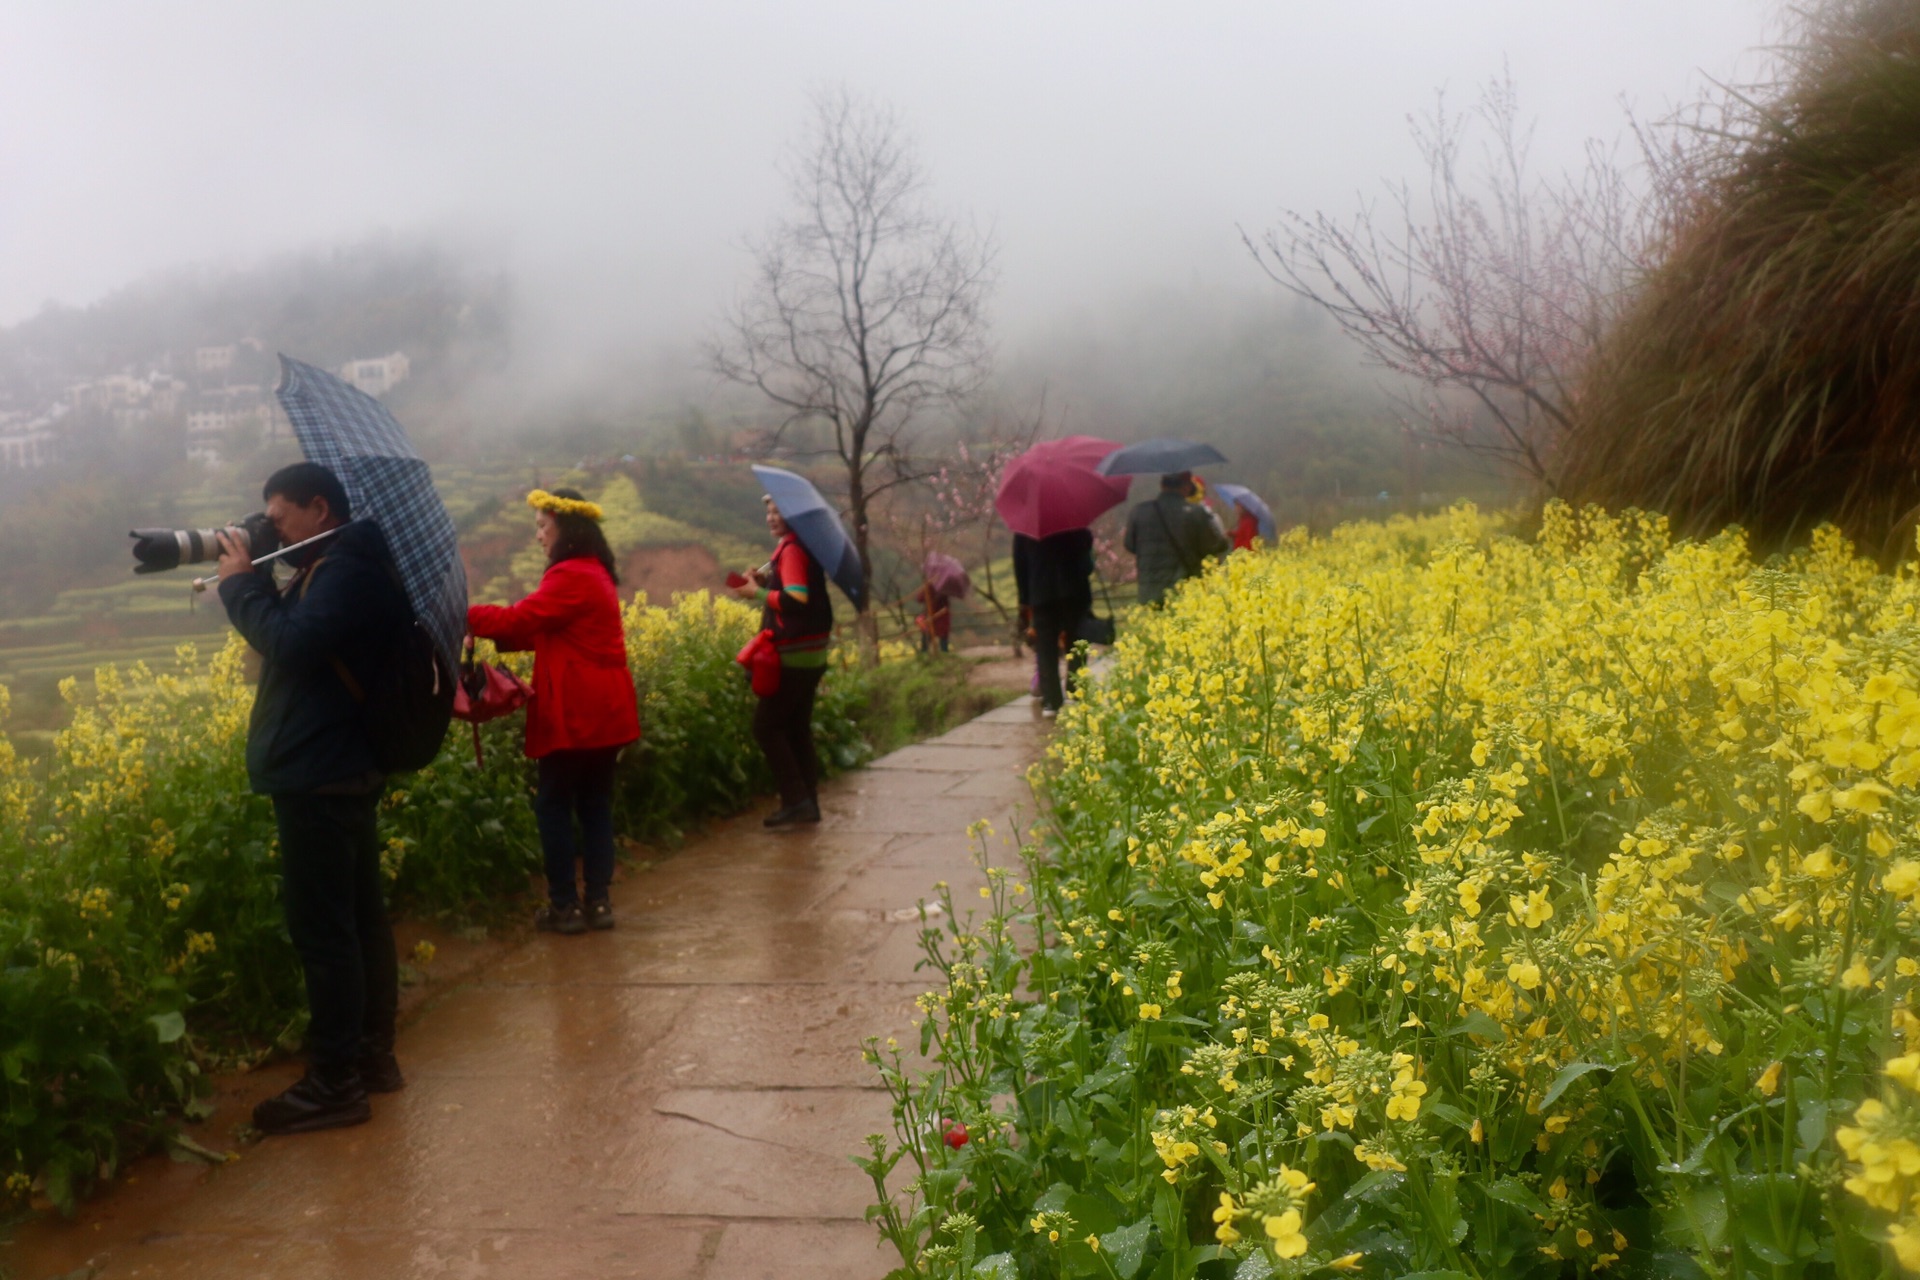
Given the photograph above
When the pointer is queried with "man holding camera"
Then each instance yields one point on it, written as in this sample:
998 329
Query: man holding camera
308 747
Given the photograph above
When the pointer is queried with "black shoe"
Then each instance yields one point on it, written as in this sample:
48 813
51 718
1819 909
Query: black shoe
599 913
315 1101
567 919
790 815
380 1073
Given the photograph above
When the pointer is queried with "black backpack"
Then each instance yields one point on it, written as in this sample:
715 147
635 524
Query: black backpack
408 704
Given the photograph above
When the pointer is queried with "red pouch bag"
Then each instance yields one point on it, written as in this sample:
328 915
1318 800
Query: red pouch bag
762 661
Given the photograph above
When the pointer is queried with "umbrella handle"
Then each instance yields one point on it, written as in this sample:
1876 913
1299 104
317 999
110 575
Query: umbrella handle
201 584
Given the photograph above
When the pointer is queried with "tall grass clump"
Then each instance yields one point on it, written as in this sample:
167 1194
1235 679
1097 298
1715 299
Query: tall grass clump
1769 372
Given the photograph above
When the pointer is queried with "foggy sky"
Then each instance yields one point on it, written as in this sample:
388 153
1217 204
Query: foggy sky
616 154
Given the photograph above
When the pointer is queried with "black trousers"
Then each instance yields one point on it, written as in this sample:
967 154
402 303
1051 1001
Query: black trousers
330 884
1050 622
576 781
783 725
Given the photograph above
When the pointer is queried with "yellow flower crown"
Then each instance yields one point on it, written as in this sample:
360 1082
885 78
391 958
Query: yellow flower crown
541 500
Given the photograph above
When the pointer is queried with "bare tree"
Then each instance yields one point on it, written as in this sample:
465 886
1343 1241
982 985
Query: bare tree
1489 287
867 306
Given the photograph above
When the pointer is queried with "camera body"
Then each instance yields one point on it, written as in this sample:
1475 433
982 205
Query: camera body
158 550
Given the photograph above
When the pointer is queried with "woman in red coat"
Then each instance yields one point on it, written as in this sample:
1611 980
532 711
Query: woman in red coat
1246 531
583 710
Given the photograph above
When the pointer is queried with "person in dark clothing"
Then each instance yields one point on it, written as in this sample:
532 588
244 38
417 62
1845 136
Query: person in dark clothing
799 615
936 619
308 748
1171 538
1053 576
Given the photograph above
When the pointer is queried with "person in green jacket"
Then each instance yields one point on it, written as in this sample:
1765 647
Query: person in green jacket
1171 538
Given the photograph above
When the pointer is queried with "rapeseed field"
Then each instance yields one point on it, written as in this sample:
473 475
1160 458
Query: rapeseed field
1434 900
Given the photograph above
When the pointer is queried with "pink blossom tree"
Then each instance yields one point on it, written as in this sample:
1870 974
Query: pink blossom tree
1488 287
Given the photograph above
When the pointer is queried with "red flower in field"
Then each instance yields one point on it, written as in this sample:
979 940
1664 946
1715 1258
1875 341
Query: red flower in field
956 1135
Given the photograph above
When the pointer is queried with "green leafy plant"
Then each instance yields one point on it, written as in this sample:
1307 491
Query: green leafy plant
1426 901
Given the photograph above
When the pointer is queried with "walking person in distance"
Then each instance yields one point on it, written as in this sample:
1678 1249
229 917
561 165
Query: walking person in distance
584 710
321 640
1171 538
792 587
1053 576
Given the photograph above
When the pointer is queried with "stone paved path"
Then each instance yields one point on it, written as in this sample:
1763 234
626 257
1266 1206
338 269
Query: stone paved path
675 1099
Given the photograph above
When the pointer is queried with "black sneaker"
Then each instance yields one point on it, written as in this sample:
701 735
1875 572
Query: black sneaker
791 815
565 919
315 1102
599 913
380 1073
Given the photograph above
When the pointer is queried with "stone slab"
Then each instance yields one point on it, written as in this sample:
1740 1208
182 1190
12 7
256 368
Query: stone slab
981 732
787 1037
929 757
637 1250
759 1154
802 1251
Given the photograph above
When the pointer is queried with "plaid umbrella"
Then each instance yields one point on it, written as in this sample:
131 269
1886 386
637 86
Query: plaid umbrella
351 434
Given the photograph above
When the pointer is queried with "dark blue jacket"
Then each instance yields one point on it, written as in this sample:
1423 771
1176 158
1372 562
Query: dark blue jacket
308 731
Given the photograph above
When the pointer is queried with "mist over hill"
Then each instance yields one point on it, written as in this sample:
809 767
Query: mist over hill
156 401
1258 373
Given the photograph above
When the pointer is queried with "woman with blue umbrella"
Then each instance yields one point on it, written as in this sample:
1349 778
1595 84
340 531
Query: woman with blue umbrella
796 617
1256 518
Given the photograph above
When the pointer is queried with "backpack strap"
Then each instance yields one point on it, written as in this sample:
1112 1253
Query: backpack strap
1179 547
354 689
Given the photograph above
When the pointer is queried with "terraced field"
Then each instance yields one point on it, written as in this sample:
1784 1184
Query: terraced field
135 619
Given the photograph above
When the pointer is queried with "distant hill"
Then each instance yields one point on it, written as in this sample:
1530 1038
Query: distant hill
326 306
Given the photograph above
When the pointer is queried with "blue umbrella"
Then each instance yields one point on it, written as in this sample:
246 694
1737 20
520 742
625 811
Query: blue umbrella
1249 501
351 434
1158 457
817 526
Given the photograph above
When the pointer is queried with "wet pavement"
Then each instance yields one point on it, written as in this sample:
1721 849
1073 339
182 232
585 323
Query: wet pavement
675 1099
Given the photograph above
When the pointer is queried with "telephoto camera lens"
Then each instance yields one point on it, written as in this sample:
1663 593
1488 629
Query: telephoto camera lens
157 550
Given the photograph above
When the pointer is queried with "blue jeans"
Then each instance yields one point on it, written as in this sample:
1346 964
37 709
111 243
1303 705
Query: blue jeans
576 782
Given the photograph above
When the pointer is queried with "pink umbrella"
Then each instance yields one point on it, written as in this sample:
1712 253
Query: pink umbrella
948 576
1053 487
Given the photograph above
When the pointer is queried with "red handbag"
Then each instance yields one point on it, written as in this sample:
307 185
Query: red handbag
761 658
486 692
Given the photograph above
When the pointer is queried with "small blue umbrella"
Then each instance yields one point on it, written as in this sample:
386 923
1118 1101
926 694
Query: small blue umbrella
351 434
1158 457
1249 501
817 526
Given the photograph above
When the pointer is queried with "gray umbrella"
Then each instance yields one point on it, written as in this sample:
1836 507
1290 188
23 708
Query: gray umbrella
1158 457
351 434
